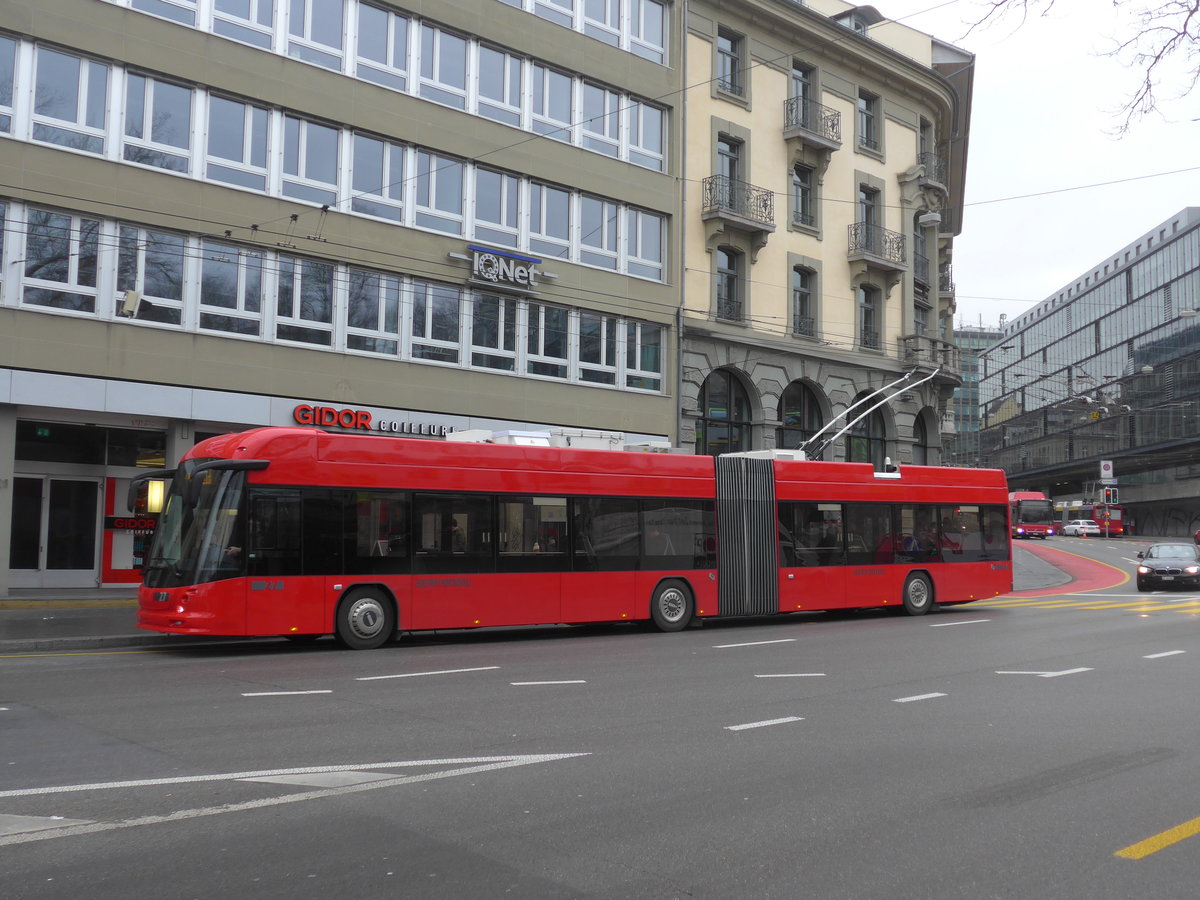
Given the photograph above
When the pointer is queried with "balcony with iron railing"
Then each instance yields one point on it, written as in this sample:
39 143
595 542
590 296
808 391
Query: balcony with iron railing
877 246
729 306
946 281
729 203
812 124
868 338
805 325
935 169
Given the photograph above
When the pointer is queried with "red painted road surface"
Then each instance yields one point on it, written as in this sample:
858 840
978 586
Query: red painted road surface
1086 574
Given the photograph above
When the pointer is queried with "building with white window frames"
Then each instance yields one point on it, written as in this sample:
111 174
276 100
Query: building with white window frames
220 214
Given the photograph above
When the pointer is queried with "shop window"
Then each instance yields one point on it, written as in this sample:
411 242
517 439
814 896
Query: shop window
58 442
139 449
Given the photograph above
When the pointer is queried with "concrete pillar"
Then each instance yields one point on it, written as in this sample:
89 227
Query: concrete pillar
8 452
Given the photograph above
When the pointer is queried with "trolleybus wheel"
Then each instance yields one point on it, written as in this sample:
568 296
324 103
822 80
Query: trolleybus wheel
365 619
671 606
918 594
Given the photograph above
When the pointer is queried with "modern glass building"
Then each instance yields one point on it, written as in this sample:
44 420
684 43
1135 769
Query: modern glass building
1107 370
962 442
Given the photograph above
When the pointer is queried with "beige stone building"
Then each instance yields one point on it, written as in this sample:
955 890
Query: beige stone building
826 153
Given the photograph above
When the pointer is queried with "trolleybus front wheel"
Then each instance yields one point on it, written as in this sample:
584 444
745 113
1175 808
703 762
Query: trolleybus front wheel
365 619
671 606
918 594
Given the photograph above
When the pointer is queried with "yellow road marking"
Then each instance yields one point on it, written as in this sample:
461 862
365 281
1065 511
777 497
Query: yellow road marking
1161 841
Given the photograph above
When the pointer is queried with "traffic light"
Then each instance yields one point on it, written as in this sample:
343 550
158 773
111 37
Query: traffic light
1110 495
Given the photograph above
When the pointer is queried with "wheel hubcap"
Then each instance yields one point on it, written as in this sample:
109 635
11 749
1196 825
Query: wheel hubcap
918 594
671 604
366 618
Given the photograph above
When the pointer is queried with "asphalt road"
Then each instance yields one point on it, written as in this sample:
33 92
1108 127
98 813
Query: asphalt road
1039 745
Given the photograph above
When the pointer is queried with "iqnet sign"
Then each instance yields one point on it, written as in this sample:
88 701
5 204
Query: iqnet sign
504 269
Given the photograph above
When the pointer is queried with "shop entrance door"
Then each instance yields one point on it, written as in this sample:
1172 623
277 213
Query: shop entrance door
55 534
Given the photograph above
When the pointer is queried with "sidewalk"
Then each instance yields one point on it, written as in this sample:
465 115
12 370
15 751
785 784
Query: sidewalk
92 619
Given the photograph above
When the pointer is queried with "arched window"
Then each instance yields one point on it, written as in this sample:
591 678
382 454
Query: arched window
920 450
800 415
724 425
867 440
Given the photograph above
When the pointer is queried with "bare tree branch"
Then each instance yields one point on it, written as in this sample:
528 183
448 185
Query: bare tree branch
1166 36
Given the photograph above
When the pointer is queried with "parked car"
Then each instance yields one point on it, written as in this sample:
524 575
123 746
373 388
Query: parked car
1168 565
1082 528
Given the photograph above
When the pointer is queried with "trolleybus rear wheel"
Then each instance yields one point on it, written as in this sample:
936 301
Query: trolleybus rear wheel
365 619
671 606
918 594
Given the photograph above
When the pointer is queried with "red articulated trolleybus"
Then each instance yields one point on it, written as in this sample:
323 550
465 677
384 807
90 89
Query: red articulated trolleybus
1033 515
299 533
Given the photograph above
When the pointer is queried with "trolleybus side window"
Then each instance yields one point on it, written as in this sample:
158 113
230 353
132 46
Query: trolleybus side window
273 533
452 533
532 534
378 532
678 534
606 535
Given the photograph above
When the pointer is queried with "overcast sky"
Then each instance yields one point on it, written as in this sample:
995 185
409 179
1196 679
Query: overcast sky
1044 116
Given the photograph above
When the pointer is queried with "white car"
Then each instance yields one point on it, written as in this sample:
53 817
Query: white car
1082 528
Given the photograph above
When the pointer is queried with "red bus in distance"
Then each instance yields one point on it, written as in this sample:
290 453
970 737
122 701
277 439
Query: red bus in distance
297 532
1033 515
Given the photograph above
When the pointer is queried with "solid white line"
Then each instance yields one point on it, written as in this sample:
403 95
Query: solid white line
752 643
267 773
185 814
795 675
1161 655
917 697
963 622
524 683
283 693
763 724
419 674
